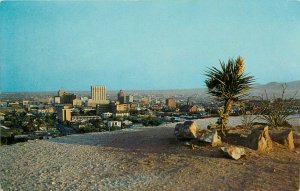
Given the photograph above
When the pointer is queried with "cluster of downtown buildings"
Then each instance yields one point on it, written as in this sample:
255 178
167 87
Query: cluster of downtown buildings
65 104
40 115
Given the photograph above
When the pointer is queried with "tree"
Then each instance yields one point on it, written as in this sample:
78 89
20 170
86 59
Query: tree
228 84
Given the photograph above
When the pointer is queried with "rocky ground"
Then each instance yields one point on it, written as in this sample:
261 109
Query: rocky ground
141 159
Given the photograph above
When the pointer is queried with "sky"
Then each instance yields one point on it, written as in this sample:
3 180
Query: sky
46 46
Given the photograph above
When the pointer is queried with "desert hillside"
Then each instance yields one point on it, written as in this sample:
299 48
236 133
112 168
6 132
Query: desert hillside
141 159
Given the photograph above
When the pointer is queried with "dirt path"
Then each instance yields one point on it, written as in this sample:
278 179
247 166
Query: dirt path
141 159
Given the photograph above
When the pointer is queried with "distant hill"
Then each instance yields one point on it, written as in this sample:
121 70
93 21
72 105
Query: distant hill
273 89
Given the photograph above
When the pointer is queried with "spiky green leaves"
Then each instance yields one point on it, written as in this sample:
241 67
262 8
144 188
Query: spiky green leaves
229 82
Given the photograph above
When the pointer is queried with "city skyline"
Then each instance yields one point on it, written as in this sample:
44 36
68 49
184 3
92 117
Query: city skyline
144 45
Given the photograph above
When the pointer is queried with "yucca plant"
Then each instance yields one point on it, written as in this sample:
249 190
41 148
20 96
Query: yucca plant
228 84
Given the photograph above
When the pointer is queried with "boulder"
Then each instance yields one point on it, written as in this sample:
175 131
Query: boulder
186 130
289 141
234 152
285 138
209 137
260 140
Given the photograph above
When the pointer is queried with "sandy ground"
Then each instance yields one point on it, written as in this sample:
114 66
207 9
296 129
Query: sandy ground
141 159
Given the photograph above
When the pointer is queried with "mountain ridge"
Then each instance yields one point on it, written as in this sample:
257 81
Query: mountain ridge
272 88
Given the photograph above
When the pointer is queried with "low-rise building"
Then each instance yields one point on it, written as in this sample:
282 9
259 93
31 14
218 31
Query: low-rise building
126 114
94 103
106 115
145 101
129 99
104 108
85 118
121 108
114 124
134 106
77 102
126 123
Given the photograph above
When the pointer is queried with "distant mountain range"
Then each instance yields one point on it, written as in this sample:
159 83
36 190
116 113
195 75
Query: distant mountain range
273 89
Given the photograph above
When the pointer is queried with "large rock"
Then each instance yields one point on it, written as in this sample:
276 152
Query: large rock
289 141
209 137
186 130
260 140
286 138
234 152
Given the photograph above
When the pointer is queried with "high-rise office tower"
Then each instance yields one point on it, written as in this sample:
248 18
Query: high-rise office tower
60 93
98 93
121 97
171 102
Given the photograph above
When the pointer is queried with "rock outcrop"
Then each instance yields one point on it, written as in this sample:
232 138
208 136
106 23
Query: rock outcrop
186 130
285 138
234 152
209 137
289 141
260 140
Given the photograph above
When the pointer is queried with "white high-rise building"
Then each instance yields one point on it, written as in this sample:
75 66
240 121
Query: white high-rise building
98 96
98 93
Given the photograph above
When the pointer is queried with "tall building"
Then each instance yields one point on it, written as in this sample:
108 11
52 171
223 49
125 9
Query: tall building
57 99
67 98
64 113
98 93
129 99
121 97
98 96
60 93
64 97
171 102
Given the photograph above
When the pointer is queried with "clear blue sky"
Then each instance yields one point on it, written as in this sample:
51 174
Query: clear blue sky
144 45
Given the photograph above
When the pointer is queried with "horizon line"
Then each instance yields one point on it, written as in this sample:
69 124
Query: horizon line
37 91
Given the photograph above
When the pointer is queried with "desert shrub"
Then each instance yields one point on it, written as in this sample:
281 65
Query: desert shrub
249 118
276 112
114 128
152 122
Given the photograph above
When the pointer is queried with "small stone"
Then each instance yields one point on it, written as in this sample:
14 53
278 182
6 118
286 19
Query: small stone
234 152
